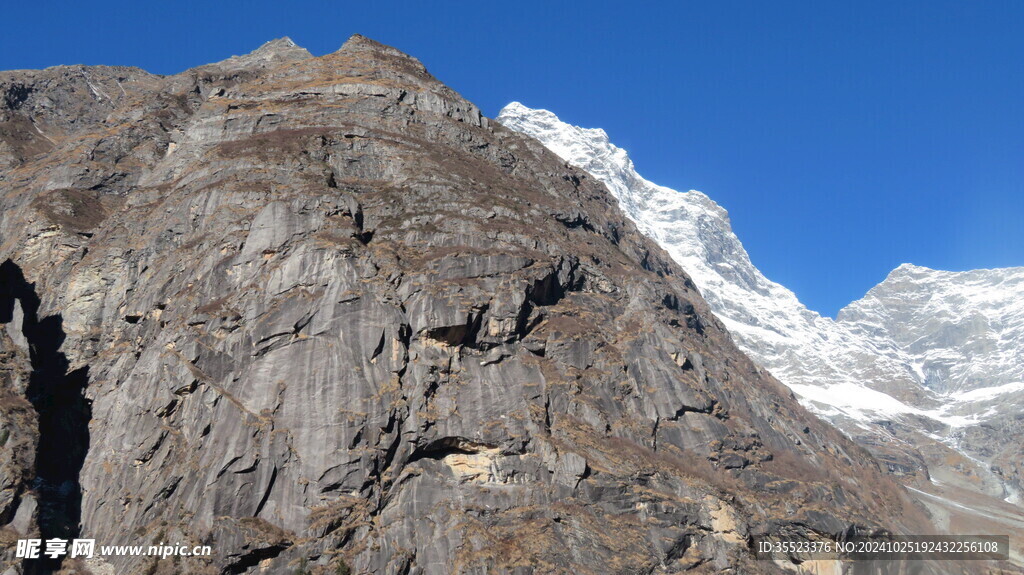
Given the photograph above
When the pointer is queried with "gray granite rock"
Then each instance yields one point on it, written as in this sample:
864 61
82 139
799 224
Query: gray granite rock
330 314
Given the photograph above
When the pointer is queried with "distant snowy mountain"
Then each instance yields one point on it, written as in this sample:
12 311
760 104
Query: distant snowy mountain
916 368
964 331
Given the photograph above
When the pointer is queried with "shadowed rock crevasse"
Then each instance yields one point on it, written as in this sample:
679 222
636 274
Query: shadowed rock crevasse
62 414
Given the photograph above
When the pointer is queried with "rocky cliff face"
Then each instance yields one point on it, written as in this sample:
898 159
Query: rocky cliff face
320 314
925 371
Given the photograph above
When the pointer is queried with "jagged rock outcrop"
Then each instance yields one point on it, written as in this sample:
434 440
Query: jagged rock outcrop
330 316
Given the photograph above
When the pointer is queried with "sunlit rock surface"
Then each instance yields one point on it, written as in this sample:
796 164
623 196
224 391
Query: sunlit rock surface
320 313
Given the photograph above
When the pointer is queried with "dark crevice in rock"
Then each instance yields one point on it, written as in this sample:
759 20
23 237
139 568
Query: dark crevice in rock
164 493
266 494
475 324
432 384
253 558
652 263
156 446
357 439
169 490
355 211
251 469
394 426
450 334
527 320
547 414
544 292
547 290
227 466
678 548
466 334
57 395
380 347
302 323
704 410
441 448
405 338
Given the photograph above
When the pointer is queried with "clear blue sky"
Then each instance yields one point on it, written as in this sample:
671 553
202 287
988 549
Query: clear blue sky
844 138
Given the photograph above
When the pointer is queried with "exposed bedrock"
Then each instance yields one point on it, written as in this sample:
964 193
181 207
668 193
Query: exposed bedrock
333 316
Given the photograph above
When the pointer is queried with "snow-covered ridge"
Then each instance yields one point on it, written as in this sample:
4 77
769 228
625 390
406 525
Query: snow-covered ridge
860 367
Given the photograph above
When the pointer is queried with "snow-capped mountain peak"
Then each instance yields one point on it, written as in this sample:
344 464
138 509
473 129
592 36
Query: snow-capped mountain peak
965 330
